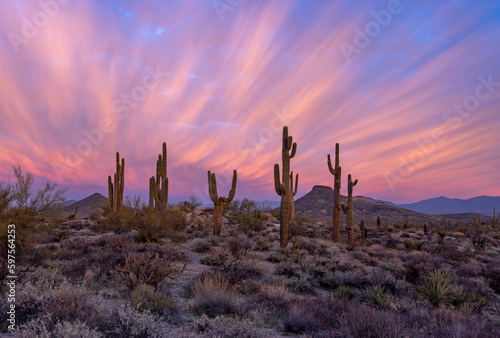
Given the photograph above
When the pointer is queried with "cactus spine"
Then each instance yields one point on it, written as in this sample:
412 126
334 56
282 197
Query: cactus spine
293 192
348 211
219 201
158 187
115 188
337 173
282 187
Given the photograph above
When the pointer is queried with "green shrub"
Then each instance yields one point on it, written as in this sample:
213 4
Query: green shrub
376 295
145 268
437 288
214 296
145 297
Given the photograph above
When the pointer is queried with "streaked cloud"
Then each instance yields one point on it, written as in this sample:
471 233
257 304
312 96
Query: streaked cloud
78 90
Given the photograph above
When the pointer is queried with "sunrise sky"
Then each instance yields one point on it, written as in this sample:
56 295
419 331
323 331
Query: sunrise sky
410 89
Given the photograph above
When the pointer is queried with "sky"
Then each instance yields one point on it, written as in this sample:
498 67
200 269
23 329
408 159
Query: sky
410 90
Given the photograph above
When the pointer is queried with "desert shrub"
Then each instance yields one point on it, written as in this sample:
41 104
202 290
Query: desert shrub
441 233
449 323
243 271
413 273
149 223
224 327
248 215
437 288
477 239
307 316
38 327
301 284
189 205
129 322
44 294
214 296
220 257
275 297
145 297
175 219
262 243
240 245
344 291
494 280
413 245
288 268
301 230
358 320
145 268
276 257
231 266
376 296
201 245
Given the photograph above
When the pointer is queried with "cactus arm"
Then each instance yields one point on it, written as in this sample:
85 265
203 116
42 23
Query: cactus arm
289 143
152 188
294 191
110 192
277 183
344 208
212 187
354 183
232 192
122 178
164 158
330 167
294 150
337 155
164 190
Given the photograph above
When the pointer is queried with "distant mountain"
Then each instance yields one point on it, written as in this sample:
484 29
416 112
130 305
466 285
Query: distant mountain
444 205
318 204
86 206
69 202
467 217
380 201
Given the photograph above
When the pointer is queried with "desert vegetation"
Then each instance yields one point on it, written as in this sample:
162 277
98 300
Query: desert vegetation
136 269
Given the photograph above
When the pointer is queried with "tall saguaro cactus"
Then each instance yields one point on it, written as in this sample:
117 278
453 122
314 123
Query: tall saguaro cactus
293 192
158 187
337 173
348 211
219 201
282 186
115 188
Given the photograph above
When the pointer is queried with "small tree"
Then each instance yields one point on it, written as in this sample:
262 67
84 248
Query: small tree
42 202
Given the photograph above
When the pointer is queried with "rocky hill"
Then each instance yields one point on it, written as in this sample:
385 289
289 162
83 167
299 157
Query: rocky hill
86 206
318 204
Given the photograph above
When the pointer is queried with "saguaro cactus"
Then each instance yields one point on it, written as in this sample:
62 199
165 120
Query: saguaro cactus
293 192
282 186
219 201
337 173
362 228
115 188
348 211
158 187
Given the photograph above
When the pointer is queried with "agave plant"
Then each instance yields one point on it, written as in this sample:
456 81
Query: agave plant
437 288
344 291
377 296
